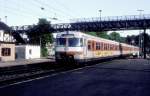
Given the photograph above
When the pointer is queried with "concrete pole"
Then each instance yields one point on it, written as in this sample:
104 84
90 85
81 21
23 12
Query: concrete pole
140 44
100 18
144 43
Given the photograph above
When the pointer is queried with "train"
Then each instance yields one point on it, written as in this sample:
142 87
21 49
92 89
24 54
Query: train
75 46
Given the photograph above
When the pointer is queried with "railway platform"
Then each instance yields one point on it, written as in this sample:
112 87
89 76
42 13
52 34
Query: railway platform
124 77
23 62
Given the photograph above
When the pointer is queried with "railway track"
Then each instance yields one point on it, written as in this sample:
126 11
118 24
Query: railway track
22 73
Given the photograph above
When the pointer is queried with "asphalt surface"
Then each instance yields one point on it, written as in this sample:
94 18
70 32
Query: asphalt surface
22 62
115 78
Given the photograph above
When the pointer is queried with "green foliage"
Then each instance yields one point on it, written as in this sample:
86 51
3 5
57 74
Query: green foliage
43 21
112 36
44 51
92 33
41 35
43 26
99 34
115 36
103 35
45 35
46 38
123 39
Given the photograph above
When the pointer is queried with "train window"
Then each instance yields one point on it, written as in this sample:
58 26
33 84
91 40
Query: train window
81 42
111 47
108 46
30 51
61 41
116 48
105 46
101 46
6 51
74 42
89 45
93 45
122 47
97 46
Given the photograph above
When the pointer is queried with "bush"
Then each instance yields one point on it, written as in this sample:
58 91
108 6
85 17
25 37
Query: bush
44 52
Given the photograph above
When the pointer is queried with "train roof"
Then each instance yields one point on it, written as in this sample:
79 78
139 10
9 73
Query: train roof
81 34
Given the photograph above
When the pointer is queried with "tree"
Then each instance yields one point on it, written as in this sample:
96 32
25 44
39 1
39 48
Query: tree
99 34
91 33
40 34
115 36
45 35
122 39
103 35
133 40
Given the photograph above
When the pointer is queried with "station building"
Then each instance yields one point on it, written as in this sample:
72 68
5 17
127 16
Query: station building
28 51
7 45
7 51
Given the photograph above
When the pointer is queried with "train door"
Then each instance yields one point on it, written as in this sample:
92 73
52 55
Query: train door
85 47
89 49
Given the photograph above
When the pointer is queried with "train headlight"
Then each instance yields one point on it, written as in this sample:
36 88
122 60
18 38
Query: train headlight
78 56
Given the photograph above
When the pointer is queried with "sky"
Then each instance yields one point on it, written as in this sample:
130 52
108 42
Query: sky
27 12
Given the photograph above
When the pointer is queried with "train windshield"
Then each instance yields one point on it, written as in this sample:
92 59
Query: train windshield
70 42
75 42
61 42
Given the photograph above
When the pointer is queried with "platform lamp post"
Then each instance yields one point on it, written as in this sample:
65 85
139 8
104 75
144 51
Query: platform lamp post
6 19
100 19
140 38
100 11
40 38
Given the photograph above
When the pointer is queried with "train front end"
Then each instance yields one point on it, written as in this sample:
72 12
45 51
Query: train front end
69 47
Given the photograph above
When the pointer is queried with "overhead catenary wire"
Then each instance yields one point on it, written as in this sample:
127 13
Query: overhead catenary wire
65 7
15 12
26 9
18 10
12 12
47 5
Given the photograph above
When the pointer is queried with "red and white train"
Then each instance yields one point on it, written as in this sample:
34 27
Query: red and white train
81 47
